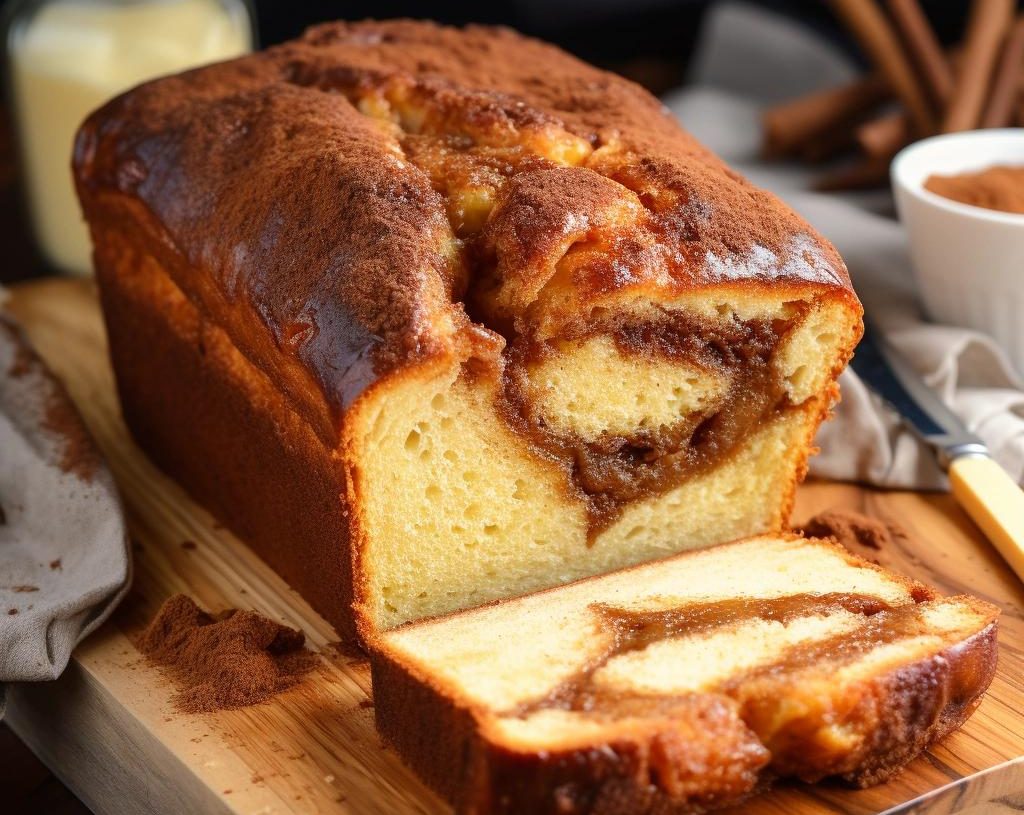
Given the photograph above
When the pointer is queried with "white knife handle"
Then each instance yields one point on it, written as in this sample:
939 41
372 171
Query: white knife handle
994 502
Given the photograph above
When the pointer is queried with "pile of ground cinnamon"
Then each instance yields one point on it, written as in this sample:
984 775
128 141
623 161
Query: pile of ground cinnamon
1000 187
852 529
235 659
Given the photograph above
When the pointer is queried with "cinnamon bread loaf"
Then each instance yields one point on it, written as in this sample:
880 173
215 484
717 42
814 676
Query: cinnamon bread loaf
433 317
683 685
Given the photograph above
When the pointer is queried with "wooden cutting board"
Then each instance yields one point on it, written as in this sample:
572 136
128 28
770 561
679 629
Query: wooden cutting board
108 730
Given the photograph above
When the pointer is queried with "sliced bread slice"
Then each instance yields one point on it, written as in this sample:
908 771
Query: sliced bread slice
685 684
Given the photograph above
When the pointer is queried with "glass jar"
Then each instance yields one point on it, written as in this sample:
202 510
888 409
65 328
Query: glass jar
65 58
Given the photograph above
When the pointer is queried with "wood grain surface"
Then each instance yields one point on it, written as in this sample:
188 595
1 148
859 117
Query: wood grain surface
108 729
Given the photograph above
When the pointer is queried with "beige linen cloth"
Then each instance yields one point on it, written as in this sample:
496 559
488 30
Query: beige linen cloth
750 58
64 554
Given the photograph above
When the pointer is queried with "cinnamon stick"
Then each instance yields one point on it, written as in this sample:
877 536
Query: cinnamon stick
924 48
986 28
999 111
876 36
827 145
1019 103
792 126
866 174
884 136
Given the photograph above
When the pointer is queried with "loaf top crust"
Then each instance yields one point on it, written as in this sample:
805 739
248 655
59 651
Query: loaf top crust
340 203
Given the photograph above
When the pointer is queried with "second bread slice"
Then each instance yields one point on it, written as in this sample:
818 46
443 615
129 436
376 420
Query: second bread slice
685 684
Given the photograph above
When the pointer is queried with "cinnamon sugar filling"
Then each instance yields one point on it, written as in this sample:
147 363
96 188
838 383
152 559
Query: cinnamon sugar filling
637 630
615 469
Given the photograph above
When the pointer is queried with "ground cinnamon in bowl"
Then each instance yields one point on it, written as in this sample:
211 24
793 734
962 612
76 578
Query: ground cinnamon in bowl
1000 188
231 660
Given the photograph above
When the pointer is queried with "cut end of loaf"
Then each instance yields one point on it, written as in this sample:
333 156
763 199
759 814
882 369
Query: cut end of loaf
688 682
614 445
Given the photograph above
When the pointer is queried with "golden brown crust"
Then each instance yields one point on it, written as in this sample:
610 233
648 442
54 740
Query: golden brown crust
345 255
919 704
185 388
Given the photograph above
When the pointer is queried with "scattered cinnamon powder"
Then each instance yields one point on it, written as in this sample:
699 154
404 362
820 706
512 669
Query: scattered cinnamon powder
852 529
55 564
231 660
79 455
1000 187
21 363
24 589
12 611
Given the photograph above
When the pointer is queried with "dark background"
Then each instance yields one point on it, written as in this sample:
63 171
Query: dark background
649 41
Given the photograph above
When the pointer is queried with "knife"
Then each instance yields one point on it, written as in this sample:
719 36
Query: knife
983 488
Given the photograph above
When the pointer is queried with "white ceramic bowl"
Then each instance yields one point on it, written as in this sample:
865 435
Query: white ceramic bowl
969 261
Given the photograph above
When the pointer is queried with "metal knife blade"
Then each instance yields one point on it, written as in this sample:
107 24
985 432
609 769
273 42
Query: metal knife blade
987 493
890 376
